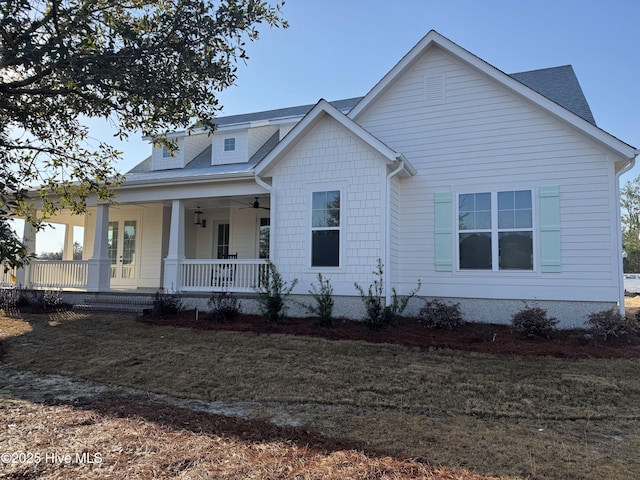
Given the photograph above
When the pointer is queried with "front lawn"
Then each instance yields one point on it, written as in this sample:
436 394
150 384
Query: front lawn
531 417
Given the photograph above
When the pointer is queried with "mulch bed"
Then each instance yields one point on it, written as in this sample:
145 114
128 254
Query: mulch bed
472 337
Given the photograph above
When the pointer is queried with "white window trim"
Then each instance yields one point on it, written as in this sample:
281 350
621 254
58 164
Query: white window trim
310 228
495 264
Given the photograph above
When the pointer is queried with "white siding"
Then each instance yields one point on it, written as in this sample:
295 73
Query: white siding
330 158
244 235
258 137
485 138
178 160
193 145
239 155
150 245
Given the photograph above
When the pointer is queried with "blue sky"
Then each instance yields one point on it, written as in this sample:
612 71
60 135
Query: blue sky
337 49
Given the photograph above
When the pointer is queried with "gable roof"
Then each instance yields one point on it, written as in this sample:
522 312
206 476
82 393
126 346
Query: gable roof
317 113
517 86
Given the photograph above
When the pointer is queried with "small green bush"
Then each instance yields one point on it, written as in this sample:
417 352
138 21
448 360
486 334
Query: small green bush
378 315
323 298
166 304
223 307
534 322
610 323
272 291
438 314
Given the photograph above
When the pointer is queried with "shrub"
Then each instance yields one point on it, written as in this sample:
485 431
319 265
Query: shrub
323 297
9 300
166 304
533 322
272 291
610 323
438 314
52 299
223 307
379 315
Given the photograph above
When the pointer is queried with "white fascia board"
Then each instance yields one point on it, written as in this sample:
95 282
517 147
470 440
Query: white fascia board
186 180
180 134
259 123
309 121
434 38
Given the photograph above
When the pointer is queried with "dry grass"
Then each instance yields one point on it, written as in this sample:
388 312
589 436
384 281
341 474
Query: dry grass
135 441
527 417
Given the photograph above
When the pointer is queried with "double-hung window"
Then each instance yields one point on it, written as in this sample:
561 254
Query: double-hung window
325 229
495 230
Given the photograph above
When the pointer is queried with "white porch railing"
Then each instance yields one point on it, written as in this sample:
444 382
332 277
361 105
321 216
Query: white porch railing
7 278
59 273
220 275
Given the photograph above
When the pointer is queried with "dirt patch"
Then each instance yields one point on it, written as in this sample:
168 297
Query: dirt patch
472 337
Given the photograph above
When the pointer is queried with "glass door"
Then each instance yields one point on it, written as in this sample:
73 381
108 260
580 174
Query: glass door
122 238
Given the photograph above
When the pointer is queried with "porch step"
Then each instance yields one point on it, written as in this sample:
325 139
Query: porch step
137 304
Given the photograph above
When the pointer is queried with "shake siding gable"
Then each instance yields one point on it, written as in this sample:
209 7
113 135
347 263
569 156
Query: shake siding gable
485 138
329 157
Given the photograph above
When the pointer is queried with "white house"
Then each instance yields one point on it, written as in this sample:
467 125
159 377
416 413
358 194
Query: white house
490 188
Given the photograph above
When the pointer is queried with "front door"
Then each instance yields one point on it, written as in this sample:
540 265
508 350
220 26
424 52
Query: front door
122 244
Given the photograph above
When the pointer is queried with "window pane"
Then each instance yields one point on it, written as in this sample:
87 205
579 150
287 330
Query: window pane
475 251
505 219
333 217
474 211
319 219
483 220
466 203
333 199
516 250
483 201
523 219
505 201
229 144
319 201
514 209
522 199
325 248
466 220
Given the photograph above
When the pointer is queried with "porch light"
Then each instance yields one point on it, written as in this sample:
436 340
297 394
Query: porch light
197 217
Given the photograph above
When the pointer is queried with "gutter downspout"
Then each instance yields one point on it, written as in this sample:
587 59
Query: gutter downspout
272 215
625 169
387 243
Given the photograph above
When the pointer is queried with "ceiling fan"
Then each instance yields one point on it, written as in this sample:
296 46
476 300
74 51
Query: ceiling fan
256 205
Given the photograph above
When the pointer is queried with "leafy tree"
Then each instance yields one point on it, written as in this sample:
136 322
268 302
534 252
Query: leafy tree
630 204
152 67
51 255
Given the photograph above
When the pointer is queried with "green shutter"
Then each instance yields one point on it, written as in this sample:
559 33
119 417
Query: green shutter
550 254
443 232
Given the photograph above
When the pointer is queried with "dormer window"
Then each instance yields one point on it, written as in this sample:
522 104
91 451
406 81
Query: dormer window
166 153
229 144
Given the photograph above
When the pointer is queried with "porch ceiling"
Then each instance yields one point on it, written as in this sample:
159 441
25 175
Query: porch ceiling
240 201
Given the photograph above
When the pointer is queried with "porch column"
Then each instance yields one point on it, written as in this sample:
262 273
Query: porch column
67 251
29 240
100 265
171 281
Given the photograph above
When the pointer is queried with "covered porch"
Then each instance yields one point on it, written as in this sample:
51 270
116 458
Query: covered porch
203 244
